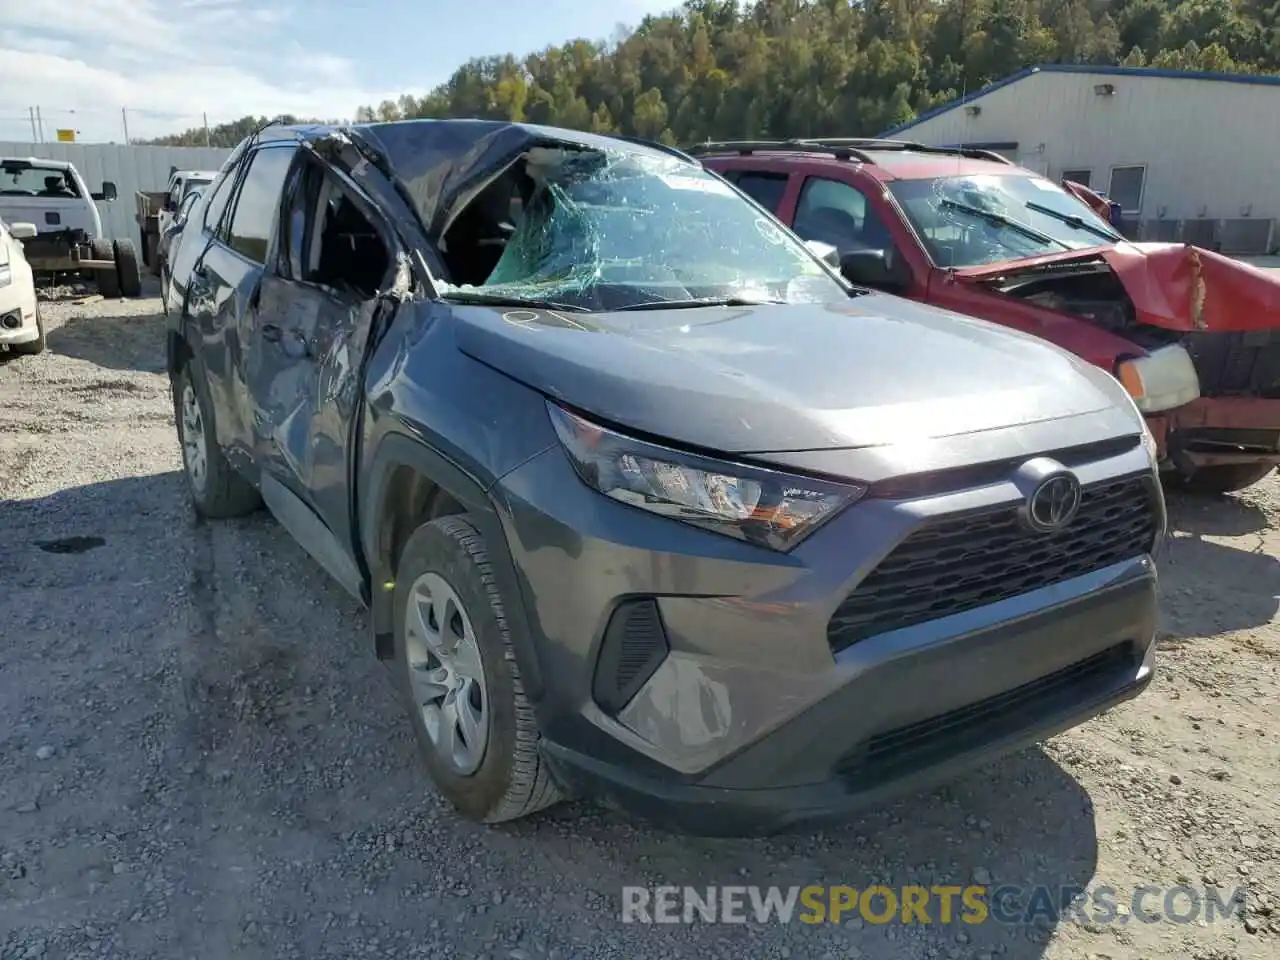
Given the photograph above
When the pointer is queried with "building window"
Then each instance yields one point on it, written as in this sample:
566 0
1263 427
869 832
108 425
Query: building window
1126 187
1081 177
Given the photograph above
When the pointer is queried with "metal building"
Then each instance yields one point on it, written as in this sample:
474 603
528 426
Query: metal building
1188 156
131 168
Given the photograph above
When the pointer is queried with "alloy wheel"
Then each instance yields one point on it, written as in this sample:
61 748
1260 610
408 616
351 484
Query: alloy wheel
193 447
446 674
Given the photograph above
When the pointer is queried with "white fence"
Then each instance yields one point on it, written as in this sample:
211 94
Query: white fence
130 168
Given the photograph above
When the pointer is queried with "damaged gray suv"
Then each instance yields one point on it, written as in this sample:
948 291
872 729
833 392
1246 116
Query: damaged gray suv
646 502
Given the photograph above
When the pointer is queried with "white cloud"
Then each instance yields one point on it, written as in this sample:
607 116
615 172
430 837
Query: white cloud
166 61
171 61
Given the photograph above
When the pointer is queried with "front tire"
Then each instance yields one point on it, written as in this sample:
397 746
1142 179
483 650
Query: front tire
457 672
1223 478
217 491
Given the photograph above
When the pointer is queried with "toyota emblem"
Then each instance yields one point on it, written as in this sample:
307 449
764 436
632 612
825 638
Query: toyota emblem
1054 503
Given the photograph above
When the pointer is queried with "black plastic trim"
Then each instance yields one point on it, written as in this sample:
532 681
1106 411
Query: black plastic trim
634 646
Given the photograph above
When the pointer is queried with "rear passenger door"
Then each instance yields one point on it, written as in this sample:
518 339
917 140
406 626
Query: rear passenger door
225 287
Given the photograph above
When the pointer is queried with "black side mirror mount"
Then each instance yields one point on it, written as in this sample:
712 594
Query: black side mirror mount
108 192
879 269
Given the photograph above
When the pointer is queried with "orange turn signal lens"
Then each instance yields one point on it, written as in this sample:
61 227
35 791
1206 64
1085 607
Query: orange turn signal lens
1129 378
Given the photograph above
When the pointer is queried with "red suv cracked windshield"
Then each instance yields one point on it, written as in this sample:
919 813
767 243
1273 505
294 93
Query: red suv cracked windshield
1193 335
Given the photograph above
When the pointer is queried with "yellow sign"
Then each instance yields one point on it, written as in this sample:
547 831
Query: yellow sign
66 136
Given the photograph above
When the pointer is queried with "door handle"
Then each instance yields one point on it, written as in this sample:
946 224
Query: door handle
272 332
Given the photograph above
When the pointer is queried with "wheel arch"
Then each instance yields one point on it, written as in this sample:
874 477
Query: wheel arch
408 485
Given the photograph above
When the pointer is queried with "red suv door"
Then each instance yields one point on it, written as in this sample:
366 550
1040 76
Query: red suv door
838 206
852 215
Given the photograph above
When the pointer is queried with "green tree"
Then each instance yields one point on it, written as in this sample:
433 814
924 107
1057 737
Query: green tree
719 69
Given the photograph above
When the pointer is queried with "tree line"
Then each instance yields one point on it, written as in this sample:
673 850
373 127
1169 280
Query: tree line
724 69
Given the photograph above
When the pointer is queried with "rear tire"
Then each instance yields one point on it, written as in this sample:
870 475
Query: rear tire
446 562
127 270
1223 478
217 491
107 278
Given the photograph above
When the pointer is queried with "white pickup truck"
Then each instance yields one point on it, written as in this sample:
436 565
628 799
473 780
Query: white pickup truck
52 195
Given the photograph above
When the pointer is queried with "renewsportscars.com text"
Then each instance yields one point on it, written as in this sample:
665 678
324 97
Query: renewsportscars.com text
941 904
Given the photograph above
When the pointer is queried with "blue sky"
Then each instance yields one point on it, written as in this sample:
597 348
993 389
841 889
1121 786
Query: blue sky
170 61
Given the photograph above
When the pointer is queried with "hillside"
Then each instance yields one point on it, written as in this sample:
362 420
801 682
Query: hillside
717 68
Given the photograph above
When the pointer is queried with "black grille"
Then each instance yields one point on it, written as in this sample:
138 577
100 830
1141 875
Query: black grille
969 560
1245 363
918 745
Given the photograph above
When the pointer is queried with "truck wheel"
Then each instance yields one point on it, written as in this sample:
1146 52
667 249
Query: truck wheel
217 491
1223 478
38 344
126 256
455 667
107 278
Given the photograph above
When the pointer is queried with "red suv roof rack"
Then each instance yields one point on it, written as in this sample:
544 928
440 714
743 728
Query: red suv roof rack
842 148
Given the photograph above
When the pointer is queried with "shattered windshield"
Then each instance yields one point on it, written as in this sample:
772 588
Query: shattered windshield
969 221
617 230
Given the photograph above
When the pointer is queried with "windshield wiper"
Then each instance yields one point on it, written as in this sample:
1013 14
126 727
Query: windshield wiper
699 302
1071 220
1000 218
505 300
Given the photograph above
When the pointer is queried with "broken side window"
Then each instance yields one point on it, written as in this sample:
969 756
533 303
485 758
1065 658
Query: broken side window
342 249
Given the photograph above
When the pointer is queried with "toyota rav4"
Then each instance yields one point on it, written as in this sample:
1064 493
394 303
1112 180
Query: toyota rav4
647 503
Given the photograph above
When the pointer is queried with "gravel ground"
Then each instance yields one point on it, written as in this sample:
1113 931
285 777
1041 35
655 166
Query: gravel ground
200 757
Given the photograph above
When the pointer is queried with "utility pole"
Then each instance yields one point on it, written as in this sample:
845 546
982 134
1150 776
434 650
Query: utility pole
124 115
39 125
31 111
206 128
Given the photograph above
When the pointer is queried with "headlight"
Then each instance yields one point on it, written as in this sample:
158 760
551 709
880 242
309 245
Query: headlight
6 275
753 504
1163 379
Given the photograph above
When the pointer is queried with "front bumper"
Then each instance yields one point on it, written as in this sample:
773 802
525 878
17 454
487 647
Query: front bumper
745 721
17 318
1219 430
882 766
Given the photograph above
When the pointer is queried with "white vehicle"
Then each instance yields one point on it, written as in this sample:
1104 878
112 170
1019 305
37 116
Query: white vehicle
21 329
181 183
52 195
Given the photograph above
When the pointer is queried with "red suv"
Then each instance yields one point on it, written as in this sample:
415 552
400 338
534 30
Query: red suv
1193 335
